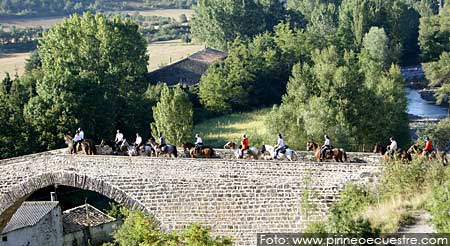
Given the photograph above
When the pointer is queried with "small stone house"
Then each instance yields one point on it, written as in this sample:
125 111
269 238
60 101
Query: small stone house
188 70
43 224
86 225
34 224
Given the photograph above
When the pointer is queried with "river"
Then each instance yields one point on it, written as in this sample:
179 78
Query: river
418 106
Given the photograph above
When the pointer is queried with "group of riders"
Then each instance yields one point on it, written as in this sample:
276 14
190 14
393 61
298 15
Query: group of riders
324 152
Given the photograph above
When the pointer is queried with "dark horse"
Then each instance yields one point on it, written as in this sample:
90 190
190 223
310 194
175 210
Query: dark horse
109 143
339 155
402 154
186 147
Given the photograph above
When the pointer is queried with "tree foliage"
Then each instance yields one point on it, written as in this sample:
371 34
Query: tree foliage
173 115
220 22
140 229
93 70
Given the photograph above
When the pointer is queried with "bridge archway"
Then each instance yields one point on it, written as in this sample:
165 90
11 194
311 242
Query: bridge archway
13 199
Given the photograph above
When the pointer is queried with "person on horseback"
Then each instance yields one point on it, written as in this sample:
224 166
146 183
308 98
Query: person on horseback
81 133
198 144
326 146
119 139
162 141
138 141
279 146
392 148
244 145
428 147
77 140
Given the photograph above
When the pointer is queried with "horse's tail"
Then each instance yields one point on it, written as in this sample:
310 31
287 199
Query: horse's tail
213 153
175 152
345 155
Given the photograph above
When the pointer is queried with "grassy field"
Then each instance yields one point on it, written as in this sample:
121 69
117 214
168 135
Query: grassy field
47 22
166 52
218 131
13 63
161 53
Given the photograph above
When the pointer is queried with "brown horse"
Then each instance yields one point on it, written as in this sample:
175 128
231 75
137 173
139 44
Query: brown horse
420 153
186 147
206 152
401 155
87 146
339 155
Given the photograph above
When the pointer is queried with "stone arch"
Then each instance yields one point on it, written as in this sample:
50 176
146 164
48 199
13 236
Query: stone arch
13 199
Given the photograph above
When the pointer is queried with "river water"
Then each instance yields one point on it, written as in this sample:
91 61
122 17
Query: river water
418 106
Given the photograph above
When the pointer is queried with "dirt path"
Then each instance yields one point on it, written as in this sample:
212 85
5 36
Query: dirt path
420 226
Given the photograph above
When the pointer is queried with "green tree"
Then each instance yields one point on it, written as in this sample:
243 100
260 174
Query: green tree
16 135
434 35
220 22
93 70
173 115
137 229
438 73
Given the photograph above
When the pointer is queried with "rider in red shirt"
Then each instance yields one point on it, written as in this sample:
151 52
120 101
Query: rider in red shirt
428 147
244 144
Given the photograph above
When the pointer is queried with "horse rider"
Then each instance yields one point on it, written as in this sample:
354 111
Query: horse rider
326 146
279 146
198 144
244 145
428 147
81 133
77 140
118 139
162 141
138 142
392 147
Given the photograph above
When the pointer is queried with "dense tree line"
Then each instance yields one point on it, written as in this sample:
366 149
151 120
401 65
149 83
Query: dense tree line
434 41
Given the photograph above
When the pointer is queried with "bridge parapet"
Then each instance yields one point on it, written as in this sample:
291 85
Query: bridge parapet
237 198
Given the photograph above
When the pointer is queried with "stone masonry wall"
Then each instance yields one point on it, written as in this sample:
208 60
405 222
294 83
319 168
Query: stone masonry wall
235 198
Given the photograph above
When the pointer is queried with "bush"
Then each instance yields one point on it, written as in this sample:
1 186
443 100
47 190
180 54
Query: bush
439 207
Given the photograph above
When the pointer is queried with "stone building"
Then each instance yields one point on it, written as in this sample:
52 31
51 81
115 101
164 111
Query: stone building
43 224
34 223
188 70
86 225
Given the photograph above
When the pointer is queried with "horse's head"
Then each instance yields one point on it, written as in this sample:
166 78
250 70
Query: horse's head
102 143
310 146
230 145
68 139
377 148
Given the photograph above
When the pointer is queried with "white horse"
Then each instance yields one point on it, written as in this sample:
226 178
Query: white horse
251 152
288 153
131 150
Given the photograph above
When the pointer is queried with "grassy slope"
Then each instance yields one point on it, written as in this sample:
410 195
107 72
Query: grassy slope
217 131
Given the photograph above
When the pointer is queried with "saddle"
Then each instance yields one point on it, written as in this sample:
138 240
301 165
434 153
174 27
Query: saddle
283 149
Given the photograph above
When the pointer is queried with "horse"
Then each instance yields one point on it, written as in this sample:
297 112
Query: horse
147 150
186 147
286 152
87 146
420 153
169 149
126 148
251 152
339 155
206 152
401 154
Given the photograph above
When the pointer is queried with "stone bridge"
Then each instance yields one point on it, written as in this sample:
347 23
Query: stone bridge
234 198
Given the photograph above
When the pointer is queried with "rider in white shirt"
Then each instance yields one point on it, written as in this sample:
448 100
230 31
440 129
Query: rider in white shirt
392 147
326 145
280 145
138 141
198 143
77 140
119 137
81 133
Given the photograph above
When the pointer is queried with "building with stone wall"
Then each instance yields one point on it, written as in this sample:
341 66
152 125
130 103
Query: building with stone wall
34 224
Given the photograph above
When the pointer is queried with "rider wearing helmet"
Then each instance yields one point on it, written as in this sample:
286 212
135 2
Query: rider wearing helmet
279 146
162 141
326 146
244 144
